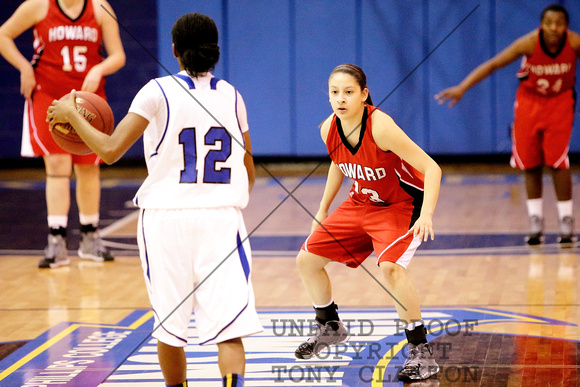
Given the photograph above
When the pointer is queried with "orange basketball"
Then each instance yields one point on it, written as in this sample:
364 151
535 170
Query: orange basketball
96 111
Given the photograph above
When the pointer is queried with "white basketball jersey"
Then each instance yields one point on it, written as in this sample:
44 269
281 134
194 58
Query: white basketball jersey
194 146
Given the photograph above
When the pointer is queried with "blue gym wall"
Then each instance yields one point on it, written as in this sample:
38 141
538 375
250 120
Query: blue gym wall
279 55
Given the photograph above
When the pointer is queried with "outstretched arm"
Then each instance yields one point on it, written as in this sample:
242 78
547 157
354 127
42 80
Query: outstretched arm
522 46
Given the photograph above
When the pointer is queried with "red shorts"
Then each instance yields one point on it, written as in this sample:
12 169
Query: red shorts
542 130
353 231
36 138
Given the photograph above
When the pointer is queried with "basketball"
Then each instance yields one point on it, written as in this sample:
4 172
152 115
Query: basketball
96 111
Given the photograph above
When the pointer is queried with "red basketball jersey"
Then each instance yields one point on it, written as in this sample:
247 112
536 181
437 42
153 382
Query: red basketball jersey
66 49
548 74
380 178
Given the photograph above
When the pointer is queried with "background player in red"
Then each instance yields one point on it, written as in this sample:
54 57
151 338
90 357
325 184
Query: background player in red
68 40
543 112
389 211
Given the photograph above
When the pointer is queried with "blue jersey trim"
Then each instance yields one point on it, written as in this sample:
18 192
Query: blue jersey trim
238 118
166 122
187 80
165 329
145 244
243 258
224 328
213 83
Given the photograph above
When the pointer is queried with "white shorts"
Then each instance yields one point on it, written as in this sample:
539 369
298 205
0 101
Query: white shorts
198 260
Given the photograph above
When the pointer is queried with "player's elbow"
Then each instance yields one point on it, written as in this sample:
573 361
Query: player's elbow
110 154
109 158
435 171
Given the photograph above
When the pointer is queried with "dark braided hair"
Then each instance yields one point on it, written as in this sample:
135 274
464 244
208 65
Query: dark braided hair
357 73
195 38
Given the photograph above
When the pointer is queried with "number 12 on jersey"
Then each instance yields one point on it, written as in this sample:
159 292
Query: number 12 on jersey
211 173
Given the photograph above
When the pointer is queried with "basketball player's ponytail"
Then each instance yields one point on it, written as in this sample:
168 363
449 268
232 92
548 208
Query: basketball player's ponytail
195 39
369 101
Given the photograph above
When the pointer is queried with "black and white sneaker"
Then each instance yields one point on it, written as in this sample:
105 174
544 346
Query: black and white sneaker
324 336
420 364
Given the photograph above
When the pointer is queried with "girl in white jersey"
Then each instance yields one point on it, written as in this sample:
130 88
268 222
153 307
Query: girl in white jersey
192 239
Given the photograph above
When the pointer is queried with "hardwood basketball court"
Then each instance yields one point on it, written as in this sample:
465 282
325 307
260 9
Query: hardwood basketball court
499 313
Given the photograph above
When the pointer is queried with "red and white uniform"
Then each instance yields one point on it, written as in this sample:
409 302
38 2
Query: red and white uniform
385 200
544 107
65 50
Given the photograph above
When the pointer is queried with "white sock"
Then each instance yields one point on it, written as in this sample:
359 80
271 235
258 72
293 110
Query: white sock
323 306
564 208
89 219
415 324
57 221
535 207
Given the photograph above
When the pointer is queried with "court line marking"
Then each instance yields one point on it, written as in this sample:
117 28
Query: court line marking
64 333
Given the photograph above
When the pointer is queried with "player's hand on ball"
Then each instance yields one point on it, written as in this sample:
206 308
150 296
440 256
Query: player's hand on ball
60 110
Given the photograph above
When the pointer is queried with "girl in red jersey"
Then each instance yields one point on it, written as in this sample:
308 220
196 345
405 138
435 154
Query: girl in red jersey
68 40
543 113
389 211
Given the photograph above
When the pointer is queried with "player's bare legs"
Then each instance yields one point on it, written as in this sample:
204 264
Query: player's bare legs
403 290
420 363
88 196
58 171
534 204
562 184
88 191
534 183
314 277
231 357
329 330
173 363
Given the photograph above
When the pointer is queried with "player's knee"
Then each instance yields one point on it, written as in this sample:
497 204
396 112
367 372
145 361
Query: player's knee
307 262
302 260
392 272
